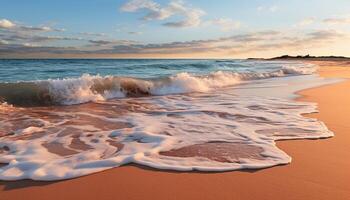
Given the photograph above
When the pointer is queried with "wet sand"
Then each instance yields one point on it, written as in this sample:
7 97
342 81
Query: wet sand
319 170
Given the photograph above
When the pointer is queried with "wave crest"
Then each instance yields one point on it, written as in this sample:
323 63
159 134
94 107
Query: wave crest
98 88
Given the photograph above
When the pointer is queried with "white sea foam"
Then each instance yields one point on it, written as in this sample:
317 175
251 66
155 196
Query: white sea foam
157 124
96 88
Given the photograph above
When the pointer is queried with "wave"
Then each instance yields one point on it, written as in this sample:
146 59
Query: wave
98 88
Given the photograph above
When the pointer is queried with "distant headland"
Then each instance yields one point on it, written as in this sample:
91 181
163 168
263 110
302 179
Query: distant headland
306 57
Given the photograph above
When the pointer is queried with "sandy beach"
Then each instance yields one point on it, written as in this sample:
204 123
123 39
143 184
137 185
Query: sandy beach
319 169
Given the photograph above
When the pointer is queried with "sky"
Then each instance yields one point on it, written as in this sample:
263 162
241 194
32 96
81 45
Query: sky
173 28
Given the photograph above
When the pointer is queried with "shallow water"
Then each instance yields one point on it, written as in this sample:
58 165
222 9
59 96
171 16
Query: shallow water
168 117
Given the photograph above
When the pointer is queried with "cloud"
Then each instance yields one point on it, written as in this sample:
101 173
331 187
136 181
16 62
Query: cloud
40 29
330 21
336 21
92 34
15 37
27 48
155 11
135 5
225 24
21 35
12 26
110 43
30 45
101 42
4 23
190 16
325 35
235 44
3 42
135 32
19 44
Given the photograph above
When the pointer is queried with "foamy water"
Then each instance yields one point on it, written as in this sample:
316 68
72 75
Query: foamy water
184 121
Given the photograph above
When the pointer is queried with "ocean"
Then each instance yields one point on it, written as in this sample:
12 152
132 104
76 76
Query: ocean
65 118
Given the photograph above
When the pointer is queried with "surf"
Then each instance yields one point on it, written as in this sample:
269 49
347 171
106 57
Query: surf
87 88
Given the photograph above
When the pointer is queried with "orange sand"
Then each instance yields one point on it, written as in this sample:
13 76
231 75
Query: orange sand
320 168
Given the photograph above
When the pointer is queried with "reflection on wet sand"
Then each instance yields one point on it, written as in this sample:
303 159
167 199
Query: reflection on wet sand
218 151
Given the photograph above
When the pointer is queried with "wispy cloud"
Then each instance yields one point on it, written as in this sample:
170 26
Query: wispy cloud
234 45
325 35
5 24
135 32
190 16
107 44
41 28
12 26
331 21
3 42
18 39
17 34
225 24
29 38
92 34
336 21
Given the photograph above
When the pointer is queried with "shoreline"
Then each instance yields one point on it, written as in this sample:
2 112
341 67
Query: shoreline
309 176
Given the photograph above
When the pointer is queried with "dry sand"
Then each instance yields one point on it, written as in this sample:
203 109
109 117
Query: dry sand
320 168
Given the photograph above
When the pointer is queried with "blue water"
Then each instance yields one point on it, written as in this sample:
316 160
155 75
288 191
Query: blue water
43 69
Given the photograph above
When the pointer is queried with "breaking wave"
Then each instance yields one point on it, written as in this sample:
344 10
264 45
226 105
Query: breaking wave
88 88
